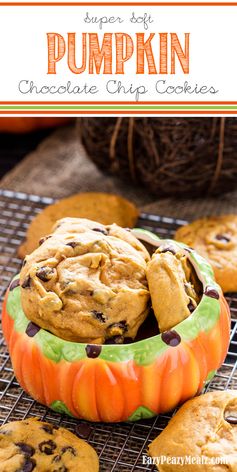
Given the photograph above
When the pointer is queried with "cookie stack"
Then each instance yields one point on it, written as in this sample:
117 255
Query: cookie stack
86 282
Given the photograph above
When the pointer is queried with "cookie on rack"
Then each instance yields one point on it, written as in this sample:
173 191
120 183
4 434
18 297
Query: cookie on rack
31 444
86 282
103 207
204 430
215 238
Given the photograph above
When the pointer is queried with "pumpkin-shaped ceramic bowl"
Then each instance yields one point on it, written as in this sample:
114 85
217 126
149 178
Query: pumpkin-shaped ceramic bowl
121 382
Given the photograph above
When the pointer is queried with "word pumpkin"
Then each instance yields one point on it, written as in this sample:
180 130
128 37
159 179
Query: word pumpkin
115 50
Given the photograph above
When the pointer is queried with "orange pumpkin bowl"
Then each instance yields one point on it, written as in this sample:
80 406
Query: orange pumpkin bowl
121 382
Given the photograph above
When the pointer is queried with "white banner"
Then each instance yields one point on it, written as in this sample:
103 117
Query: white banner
131 53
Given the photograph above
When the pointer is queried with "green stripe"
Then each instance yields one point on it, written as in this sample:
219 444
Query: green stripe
117 107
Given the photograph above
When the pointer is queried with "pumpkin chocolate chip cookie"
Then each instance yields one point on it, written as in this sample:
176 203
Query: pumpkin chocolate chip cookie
103 207
174 288
203 431
32 445
215 238
86 282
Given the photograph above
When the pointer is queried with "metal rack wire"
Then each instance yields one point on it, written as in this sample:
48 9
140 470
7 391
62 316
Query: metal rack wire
122 446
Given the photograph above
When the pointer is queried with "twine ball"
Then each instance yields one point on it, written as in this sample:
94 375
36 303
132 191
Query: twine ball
167 156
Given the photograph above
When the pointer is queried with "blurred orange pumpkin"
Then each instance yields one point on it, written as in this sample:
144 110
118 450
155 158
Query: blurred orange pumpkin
29 124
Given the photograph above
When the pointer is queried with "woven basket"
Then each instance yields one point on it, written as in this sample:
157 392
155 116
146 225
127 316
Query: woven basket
168 156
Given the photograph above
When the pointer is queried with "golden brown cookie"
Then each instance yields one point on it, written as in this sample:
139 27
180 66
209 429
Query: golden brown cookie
43 447
173 288
87 282
205 429
215 238
103 207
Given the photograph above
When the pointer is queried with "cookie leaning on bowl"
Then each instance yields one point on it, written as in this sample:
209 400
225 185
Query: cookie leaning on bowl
215 238
204 427
173 284
31 444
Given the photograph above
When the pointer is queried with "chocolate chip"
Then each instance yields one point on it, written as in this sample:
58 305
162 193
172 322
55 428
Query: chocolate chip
93 350
223 238
69 449
172 338
27 282
101 230
71 292
168 249
73 244
212 293
115 340
47 447
62 468
121 324
99 316
29 465
26 448
117 329
42 240
45 273
231 419
15 284
32 329
191 306
48 428
83 430
60 224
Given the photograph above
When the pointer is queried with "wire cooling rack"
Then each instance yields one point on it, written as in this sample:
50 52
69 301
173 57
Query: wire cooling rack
121 447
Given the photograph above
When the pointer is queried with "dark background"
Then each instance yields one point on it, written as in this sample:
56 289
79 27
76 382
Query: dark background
13 147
